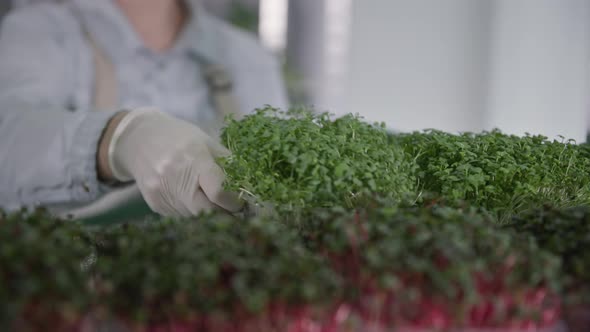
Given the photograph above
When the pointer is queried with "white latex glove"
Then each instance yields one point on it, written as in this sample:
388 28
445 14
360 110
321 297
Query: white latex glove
172 163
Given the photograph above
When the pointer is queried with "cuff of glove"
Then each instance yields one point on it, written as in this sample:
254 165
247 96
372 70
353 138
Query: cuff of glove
118 172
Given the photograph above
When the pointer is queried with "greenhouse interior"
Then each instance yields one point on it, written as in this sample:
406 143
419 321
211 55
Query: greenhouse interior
295 165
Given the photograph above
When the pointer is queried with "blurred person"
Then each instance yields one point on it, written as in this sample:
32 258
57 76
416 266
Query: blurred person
74 77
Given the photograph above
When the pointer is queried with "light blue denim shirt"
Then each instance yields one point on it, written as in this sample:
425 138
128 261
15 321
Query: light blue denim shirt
48 129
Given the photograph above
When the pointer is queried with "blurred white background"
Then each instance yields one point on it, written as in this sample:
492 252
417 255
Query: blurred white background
456 65
463 65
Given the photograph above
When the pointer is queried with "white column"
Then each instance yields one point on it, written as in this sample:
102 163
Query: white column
540 67
337 27
272 25
419 63
306 45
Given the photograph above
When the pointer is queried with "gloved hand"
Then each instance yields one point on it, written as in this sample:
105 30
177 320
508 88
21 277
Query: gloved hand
172 162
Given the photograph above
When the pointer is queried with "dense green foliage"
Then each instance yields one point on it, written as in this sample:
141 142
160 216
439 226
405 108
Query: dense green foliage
427 230
446 246
298 159
58 271
437 259
505 174
301 160
213 263
217 267
40 266
566 233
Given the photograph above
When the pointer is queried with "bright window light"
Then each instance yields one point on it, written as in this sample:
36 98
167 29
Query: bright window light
273 23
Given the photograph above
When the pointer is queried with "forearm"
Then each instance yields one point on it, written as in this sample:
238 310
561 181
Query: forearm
48 156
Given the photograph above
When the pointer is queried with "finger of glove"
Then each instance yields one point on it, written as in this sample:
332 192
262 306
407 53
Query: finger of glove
211 181
173 203
158 201
199 203
217 149
191 200
159 206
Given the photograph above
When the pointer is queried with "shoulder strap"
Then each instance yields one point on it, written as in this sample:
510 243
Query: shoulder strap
221 90
105 78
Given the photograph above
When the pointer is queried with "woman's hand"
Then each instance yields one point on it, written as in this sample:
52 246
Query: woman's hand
171 161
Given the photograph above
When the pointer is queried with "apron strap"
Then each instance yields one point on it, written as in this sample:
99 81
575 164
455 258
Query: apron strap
221 90
105 78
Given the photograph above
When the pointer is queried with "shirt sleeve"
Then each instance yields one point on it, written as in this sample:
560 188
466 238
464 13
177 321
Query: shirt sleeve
47 152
